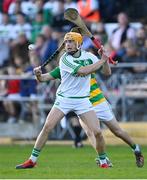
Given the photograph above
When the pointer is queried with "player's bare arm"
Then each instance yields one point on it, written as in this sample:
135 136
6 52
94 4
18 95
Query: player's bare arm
42 77
85 70
106 70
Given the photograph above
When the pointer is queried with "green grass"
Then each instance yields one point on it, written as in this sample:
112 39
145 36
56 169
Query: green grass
62 162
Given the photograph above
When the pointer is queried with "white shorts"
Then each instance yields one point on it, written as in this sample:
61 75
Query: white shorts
79 106
104 111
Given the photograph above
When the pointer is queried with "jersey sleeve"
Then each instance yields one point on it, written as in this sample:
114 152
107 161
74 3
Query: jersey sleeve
70 66
55 73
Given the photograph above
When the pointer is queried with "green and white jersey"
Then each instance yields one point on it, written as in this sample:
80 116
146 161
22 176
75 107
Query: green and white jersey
73 86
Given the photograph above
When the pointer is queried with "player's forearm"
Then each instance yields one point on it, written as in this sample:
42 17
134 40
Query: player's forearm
44 77
85 70
106 70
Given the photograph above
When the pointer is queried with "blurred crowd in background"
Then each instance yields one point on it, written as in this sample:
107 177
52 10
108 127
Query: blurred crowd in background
42 23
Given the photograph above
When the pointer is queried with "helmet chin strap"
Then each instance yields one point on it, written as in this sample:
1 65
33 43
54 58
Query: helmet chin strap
78 47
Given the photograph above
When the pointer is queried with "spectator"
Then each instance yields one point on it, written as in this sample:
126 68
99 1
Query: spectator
122 33
28 87
5 28
21 26
108 10
19 47
13 90
89 10
18 63
29 9
45 46
3 93
57 35
59 21
14 9
3 89
37 25
12 6
39 5
99 32
136 51
53 6
5 36
4 54
6 4
145 50
40 47
132 53
144 23
141 37
50 44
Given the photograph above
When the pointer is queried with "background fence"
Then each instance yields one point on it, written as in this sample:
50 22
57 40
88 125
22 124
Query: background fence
126 92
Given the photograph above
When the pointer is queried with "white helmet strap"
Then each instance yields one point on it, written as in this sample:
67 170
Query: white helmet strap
78 46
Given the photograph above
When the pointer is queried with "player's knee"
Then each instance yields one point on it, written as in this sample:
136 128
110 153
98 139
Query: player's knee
97 132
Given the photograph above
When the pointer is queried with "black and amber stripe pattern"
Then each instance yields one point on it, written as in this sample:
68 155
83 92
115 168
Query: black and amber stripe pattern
96 95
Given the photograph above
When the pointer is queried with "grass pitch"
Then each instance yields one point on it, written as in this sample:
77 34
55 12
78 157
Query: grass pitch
65 162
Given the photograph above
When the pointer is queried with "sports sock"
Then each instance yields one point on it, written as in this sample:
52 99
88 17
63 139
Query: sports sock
102 158
136 148
133 146
34 155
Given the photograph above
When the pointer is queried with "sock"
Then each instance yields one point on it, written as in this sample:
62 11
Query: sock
34 155
133 146
102 158
137 149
